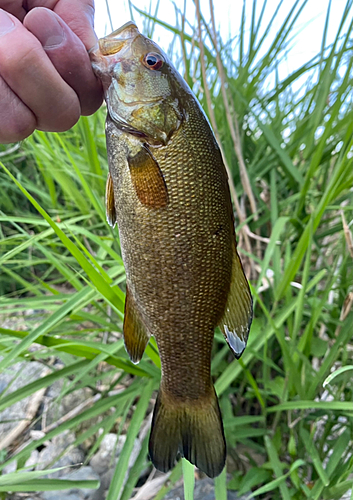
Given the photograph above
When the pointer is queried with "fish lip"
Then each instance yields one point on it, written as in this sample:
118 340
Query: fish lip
132 33
113 43
95 47
129 24
106 51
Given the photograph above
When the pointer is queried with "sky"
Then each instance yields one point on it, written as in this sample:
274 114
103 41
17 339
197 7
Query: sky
308 28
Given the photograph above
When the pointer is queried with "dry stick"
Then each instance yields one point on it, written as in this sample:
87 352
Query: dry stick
214 126
71 414
31 411
347 234
234 131
258 237
183 41
346 308
151 487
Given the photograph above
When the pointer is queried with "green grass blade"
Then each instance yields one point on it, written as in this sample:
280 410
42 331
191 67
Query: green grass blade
220 485
134 427
189 479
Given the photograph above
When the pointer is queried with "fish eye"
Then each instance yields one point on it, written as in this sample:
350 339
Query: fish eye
152 60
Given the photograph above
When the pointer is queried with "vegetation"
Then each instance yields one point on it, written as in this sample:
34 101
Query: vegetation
288 146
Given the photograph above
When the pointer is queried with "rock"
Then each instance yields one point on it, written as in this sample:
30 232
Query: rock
59 406
59 495
103 464
347 495
33 460
83 474
29 465
15 377
10 468
101 461
60 445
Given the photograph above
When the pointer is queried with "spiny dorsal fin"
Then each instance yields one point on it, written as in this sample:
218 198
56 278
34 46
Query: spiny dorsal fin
136 336
237 316
109 202
148 179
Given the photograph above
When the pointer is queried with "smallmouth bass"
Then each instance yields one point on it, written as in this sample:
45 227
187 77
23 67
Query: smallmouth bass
168 192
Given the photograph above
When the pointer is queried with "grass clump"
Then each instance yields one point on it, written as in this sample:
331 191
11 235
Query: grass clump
289 151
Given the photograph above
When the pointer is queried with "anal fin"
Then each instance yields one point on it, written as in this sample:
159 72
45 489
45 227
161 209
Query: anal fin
136 336
236 320
110 202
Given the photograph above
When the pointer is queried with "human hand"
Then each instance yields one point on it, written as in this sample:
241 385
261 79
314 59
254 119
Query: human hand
46 79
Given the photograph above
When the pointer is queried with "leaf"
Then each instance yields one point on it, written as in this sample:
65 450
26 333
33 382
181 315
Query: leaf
336 373
313 453
189 479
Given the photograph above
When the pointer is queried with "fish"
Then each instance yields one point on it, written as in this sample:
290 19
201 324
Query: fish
167 190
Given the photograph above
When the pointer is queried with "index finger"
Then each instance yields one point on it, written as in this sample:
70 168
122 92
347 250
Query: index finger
77 14
14 7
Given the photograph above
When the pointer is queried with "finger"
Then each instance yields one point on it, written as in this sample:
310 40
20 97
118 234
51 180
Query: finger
68 55
15 7
27 70
16 121
77 14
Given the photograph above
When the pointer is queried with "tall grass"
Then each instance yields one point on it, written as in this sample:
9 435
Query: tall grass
288 147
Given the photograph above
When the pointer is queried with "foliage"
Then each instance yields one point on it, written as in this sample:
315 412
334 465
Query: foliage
290 158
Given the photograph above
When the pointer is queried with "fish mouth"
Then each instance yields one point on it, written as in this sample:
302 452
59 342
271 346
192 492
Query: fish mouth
114 43
110 50
105 55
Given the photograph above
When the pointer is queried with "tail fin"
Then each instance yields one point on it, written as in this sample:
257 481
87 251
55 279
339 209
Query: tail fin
195 430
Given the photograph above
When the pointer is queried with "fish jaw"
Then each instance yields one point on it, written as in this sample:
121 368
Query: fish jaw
109 51
113 43
106 56
141 101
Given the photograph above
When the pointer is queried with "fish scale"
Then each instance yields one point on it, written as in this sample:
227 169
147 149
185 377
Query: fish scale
168 193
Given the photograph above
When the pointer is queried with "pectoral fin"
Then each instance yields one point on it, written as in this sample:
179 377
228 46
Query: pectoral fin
237 316
136 336
148 179
109 202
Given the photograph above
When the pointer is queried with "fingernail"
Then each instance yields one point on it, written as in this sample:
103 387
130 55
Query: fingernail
6 23
50 34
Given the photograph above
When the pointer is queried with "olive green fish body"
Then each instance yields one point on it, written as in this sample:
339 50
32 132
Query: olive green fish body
178 257
183 273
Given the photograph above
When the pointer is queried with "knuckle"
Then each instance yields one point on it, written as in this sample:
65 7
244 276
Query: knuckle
24 128
18 128
13 62
16 121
